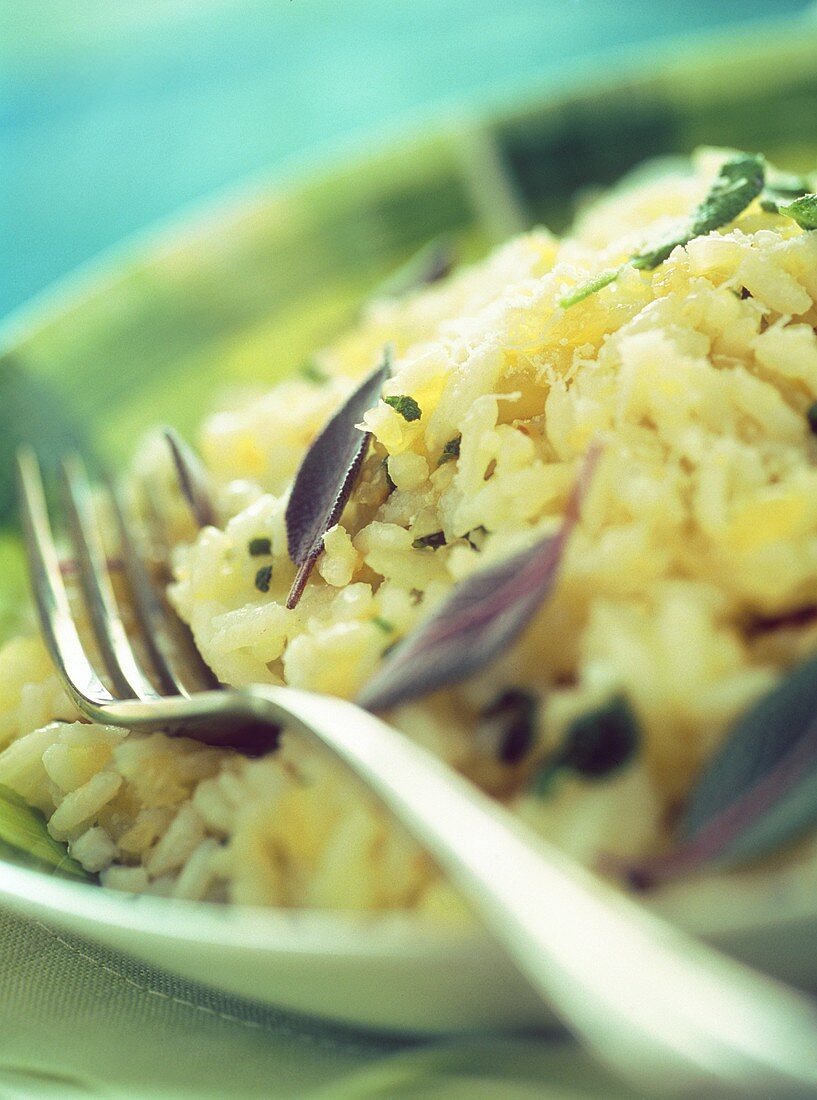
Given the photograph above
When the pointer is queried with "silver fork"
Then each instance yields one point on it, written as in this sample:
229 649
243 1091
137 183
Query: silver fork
663 1011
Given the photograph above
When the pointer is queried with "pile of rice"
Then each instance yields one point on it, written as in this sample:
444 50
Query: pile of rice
700 523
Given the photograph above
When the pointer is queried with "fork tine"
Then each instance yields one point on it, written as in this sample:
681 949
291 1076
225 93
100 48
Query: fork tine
115 647
56 621
178 664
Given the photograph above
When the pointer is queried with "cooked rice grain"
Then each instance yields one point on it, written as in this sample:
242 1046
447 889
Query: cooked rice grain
701 517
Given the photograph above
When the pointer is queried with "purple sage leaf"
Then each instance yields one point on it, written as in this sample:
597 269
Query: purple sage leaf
433 262
479 619
327 476
757 793
194 480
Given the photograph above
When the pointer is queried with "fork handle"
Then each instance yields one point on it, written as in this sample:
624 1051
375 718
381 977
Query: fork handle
661 1009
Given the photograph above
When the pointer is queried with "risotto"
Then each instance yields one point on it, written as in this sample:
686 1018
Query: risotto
679 600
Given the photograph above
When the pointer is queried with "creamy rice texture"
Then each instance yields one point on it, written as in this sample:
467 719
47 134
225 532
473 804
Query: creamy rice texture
700 524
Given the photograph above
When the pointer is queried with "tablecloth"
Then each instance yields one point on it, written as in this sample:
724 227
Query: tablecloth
78 1020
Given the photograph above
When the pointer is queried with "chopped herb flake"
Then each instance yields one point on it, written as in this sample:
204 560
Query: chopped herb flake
263 578
508 724
430 542
450 451
258 547
476 536
595 743
387 475
811 416
590 286
406 406
383 624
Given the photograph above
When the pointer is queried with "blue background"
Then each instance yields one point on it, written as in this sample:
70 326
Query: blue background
114 113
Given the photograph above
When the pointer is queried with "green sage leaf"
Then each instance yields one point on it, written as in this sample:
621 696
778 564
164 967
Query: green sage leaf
739 180
24 833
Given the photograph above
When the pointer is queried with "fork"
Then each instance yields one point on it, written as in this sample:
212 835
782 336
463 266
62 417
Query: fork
662 1010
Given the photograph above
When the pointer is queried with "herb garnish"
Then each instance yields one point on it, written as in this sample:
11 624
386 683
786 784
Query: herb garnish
432 262
595 743
590 286
481 532
430 542
811 416
406 406
194 481
758 792
387 475
739 180
480 617
508 724
23 830
780 187
383 624
327 476
263 578
451 450
259 546
802 210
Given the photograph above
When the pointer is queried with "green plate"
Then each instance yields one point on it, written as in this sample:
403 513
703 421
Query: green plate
242 291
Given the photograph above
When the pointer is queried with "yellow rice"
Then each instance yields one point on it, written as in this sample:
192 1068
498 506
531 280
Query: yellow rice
700 521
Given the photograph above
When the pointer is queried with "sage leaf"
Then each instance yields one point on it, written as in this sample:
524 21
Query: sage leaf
739 180
431 263
758 792
194 481
802 210
327 476
24 833
479 619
